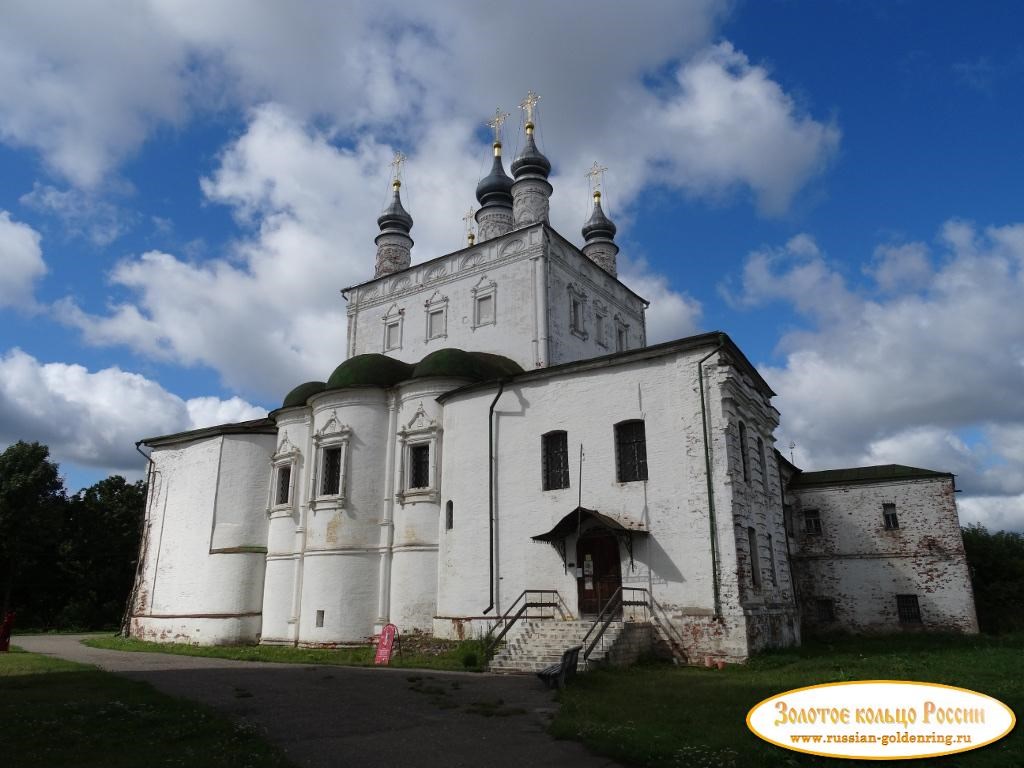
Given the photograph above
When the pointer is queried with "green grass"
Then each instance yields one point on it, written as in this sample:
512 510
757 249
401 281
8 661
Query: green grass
467 656
671 716
56 713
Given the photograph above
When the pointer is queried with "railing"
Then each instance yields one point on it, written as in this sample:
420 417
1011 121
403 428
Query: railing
653 613
546 599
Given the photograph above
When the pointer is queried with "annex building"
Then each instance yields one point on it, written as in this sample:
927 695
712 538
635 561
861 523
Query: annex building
500 426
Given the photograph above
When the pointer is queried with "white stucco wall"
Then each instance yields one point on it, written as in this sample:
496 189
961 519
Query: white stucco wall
203 568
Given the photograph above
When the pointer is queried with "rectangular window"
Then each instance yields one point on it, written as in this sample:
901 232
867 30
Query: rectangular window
330 469
812 521
630 451
555 460
435 324
449 516
889 516
393 335
284 484
826 610
621 339
764 464
743 452
755 560
484 310
771 561
419 466
319 618
909 609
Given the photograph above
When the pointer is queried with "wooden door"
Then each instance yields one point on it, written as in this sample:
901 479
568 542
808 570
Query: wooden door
598 557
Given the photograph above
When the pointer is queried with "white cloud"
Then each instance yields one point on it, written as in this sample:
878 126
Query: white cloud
904 377
82 214
94 418
22 260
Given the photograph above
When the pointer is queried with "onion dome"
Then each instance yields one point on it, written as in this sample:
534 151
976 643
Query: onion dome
302 393
372 370
459 364
395 217
495 188
531 160
599 226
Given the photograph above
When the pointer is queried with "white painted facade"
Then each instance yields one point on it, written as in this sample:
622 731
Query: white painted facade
410 486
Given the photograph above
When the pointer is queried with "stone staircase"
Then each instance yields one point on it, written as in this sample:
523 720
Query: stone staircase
533 644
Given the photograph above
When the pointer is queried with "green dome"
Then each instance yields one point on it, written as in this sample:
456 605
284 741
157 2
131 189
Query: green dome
457 363
372 370
302 393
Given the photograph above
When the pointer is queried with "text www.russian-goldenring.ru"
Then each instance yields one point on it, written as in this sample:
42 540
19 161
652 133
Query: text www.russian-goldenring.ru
885 739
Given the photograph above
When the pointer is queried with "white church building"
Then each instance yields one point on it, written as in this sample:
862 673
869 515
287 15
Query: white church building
499 424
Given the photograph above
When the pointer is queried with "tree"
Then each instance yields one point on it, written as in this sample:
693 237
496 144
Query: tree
997 574
31 500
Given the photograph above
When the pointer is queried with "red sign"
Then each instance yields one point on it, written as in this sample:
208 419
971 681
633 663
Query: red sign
5 633
385 644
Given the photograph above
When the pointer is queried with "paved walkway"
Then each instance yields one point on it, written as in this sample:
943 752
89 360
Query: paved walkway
331 717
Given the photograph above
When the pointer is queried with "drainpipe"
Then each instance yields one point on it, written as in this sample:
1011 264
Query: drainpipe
707 471
490 489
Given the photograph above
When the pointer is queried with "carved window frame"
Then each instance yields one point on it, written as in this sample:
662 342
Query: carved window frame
435 304
394 317
600 323
420 431
621 334
286 457
333 434
484 288
577 311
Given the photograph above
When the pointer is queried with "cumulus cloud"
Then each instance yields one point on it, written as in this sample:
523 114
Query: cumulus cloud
94 418
930 376
22 260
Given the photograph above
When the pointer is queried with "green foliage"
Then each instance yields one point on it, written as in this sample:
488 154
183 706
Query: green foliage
997 574
65 562
58 713
696 717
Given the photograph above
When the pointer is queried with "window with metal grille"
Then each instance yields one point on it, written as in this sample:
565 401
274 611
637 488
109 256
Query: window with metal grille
826 610
889 516
330 469
812 521
419 466
630 451
284 484
743 452
554 456
909 609
755 560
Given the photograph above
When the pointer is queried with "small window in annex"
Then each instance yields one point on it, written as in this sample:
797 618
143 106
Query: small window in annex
909 609
554 457
419 466
449 515
319 619
812 521
826 610
330 471
889 517
284 484
630 451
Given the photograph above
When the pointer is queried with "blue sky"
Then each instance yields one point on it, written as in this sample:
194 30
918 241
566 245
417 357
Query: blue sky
187 185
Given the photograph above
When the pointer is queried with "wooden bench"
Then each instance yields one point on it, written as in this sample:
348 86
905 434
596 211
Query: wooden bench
558 675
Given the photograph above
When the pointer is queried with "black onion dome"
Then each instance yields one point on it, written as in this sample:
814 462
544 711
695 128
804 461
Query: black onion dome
599 225
395 216
302 393
531 160
452 362
496 188
371 370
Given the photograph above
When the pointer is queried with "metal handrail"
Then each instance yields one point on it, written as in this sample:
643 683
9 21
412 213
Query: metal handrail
508 623
602 622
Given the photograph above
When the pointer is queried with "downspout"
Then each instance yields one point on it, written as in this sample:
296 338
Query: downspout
143 542
490 491
707 472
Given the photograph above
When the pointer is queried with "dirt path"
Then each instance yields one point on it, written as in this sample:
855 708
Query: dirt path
331 717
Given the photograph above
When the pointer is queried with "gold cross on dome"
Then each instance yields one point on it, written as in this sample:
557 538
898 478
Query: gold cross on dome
396 164
528 104
596 176
495 124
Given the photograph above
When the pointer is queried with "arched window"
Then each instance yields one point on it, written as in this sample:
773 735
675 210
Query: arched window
630 451
743 451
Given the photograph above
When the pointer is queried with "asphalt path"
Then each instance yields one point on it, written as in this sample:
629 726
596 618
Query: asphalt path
332 717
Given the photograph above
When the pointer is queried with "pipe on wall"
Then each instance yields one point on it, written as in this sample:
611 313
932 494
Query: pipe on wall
490 492
707 472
